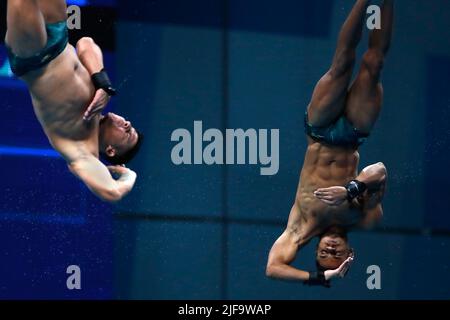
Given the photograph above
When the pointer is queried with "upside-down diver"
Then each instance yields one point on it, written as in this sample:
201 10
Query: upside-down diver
69 89
332 198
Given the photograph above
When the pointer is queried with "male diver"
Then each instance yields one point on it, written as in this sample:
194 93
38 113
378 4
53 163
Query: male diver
332 198
69 89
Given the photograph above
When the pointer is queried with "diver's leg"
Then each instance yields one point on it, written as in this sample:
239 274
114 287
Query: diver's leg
53 10
26 19
26 33
366 93
328 99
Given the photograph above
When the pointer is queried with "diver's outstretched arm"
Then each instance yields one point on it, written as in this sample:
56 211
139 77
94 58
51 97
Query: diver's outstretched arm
282 254
97 177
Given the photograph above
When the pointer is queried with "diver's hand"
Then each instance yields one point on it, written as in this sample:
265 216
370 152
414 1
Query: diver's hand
124 181
341 271
332 196
119 170
123 174
97 105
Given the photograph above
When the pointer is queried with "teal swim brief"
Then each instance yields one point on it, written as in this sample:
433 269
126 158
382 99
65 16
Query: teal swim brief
340 133
57 39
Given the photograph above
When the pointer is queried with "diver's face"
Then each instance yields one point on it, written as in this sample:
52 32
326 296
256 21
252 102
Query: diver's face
332 251
117 133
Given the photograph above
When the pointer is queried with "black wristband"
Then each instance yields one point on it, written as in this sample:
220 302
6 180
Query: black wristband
317 278
101 81
354 189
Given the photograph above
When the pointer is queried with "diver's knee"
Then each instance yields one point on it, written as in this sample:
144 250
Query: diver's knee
373 60
343 62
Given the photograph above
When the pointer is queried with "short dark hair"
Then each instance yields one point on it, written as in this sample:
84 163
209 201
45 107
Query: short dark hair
127 156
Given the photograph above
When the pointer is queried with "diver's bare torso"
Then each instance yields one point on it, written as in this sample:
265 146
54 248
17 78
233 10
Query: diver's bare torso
60 93
324 167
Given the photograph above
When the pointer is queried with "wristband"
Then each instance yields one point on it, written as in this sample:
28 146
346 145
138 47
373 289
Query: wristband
355 188
317 278
102 81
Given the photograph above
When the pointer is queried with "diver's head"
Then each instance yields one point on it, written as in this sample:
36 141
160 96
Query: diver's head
333 249
119 142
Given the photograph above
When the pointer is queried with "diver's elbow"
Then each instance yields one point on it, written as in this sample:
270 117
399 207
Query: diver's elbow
84 43
270 271
111 195
382 168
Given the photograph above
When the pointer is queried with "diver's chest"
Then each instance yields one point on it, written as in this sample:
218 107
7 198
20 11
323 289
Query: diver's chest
66 122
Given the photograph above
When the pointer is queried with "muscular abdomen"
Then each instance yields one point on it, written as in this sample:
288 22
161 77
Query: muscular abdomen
325 167
61 92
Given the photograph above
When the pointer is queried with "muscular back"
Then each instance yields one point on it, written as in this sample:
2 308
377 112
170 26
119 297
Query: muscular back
60 93
324 167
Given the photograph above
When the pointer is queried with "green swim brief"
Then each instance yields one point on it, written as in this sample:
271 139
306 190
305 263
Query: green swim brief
57 39
339 133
